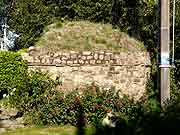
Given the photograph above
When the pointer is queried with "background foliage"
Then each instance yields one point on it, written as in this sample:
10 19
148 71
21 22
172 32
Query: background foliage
138 18
35 95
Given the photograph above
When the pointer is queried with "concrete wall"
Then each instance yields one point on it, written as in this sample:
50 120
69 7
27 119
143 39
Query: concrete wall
125 71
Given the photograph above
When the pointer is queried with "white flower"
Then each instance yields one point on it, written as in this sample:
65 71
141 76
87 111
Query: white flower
5 95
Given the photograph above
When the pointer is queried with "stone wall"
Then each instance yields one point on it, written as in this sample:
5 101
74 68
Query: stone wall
127 71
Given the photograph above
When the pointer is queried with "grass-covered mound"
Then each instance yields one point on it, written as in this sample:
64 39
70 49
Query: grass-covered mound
85 35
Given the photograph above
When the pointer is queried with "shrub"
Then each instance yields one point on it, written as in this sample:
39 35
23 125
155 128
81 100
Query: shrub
26 89
38 86
78 108
13 72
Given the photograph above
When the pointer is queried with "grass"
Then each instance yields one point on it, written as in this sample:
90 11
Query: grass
85 35
64 130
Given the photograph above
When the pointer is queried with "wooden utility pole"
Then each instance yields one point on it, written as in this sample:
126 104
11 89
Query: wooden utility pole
164 46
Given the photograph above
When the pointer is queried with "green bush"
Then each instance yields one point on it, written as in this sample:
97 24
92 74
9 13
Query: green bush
13 72
25 89
78 108
38 86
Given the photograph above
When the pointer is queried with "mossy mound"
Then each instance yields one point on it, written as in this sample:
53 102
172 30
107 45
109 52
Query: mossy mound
84 35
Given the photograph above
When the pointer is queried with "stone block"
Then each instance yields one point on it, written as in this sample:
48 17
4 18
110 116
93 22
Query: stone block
63 62
107 57
101 57
86 53
31 48
137 80
75 62
69 62
122 81
75 69
130 73
89 57
66 54
115 61
101 52
51 61
28 58
98 61
81 62
57 55
64 57
73 52
108 53
118 62
36 59
139 74
112 57
73 56
57 61
86 62
51 54
106 62
111 62
79 56
83 58
96 56
117 56
92 62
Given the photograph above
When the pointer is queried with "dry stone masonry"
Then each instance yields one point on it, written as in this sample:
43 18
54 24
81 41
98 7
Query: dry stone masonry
127 71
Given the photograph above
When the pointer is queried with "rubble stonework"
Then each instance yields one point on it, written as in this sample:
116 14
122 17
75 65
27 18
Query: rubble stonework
126 71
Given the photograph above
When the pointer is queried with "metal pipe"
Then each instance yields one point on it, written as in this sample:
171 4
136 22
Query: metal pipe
164 45
174 18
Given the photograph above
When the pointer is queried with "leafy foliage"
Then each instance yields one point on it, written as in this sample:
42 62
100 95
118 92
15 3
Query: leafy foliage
98 10
80 108
37 86
28 18
13 72
25 88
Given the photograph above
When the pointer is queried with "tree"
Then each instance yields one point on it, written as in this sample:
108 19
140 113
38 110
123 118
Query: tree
28 18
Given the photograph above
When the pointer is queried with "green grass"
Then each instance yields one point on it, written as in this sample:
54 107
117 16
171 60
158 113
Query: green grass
64 130
85 35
